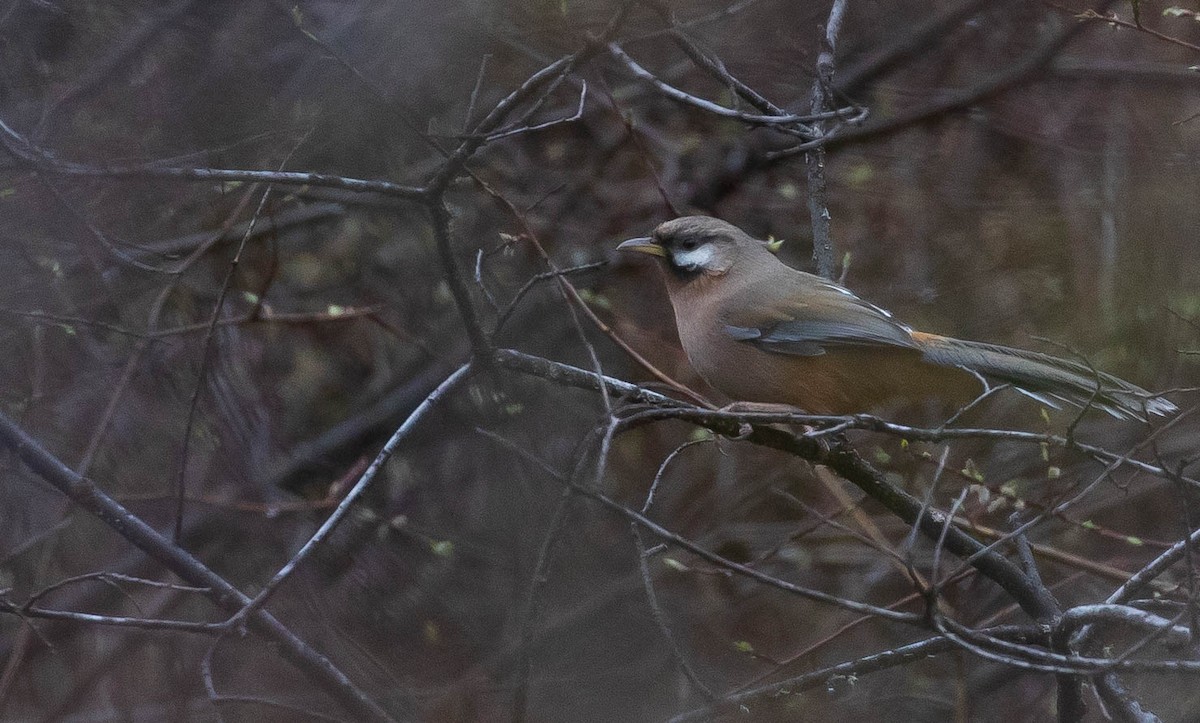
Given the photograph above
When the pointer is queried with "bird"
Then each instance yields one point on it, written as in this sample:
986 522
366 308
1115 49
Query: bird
767 335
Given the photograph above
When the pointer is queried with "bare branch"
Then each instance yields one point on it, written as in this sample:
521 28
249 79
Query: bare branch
25 151
1035 600
252 607
87 495
821 101
798 121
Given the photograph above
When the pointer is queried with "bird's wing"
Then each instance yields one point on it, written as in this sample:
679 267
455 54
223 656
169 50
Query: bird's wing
812 318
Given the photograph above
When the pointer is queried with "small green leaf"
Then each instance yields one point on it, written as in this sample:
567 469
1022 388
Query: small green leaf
441 548
433 633
1177 12
441 293
774 244
743 647
860 174
1135 541
1053 472
594 299
51 265
1088 525
675 565
982 493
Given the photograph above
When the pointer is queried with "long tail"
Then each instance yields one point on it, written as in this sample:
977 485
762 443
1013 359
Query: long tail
1046 378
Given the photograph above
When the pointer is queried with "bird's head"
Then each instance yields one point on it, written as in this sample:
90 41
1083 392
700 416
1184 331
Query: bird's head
694 246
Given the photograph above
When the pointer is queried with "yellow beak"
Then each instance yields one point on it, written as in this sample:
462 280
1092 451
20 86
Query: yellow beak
643 245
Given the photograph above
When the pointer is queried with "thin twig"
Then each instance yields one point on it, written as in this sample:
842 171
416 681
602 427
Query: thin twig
814 160
87 495
330 524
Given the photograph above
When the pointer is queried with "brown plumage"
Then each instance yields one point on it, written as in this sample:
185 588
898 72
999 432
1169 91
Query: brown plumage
760 331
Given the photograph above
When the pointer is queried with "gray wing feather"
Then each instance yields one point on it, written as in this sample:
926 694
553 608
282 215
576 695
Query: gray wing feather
829 316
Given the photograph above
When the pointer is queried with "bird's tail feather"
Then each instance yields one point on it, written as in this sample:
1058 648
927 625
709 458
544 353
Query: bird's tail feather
1046 378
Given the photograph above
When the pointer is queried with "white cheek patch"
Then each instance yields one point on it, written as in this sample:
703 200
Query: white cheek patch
697 258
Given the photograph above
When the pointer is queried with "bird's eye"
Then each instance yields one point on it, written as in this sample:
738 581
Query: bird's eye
688 245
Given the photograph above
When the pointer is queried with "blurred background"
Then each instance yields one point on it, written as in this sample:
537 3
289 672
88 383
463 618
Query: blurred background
1026 173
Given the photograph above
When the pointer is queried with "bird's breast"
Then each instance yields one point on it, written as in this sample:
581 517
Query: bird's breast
741 371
